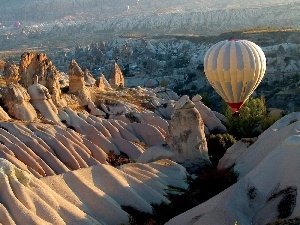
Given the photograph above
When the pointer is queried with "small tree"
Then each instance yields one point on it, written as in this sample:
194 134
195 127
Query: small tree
217 146
248 123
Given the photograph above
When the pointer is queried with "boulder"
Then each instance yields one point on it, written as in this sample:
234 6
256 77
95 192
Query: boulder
186 134
88 78
211 121
41 100
16 100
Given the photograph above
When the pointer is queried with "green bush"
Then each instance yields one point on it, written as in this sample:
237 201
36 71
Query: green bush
268 121
217 146
248 124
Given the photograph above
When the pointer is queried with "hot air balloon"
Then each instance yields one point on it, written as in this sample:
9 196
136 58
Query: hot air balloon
234 68
17 24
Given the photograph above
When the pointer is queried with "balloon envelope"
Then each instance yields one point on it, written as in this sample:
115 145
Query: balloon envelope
234 68
17 24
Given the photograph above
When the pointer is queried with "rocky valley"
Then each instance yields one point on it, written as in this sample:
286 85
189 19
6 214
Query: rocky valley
106 116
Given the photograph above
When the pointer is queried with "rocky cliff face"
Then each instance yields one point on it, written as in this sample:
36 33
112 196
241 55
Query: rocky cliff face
38 64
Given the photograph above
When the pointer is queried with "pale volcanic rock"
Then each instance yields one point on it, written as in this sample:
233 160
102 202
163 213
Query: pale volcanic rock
233 153
186 134
82 155
3 115
127 189
153 119
76 77
89 131
37 145
94 110
148 134
121 107
210 120
265 191
166 93
102 83
41 100
155 153
116 78
38 64
164 108
11 73
122 118
88 78
16 100
28 200
266 143
83 96
126 134
132 150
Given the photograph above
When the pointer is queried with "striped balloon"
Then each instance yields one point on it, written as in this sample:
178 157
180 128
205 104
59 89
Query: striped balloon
235 68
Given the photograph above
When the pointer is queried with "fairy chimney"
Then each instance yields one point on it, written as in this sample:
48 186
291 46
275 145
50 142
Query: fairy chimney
186 135
76 77
102 83
116 78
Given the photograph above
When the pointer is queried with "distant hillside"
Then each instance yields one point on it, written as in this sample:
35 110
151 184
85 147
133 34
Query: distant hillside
170 16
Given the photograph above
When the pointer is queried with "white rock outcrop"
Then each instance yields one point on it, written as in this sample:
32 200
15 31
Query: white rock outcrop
186 134
16 100
42 101
268 181
85 196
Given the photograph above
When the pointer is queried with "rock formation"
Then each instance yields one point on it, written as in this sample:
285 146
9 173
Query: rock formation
210 120
42 101
85 196
102 83
116 78
88 78
11 73
186 134
268 181
16 100
38 64
2 65
76 77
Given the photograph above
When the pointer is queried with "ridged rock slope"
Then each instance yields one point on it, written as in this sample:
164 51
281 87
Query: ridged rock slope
88 196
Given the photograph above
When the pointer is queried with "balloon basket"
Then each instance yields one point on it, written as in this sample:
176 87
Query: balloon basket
236 114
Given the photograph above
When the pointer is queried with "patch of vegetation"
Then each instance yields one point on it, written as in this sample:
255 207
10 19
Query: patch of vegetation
293 221
217 146
208 183
252 192
269 121
287 204
248 124
118 160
